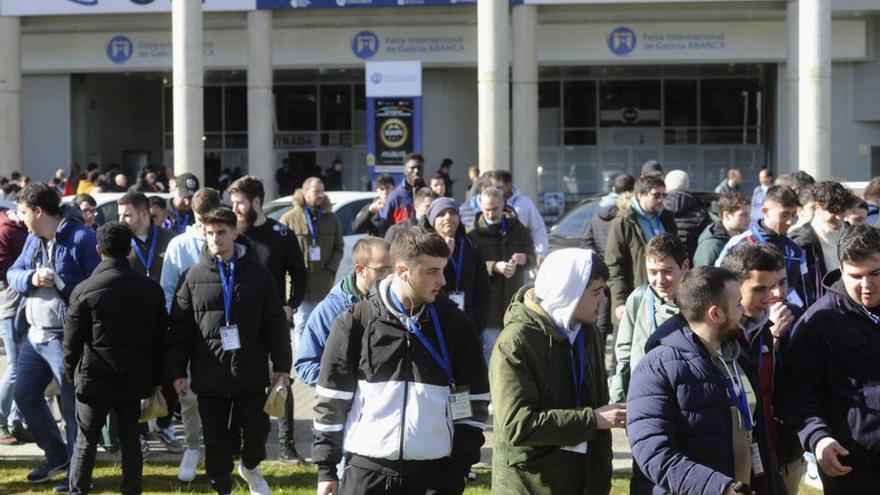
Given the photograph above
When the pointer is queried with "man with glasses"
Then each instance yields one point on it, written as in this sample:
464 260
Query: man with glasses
370 258
399 207
637 222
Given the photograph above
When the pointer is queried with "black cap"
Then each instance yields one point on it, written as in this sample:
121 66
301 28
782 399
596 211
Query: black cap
652 167
186 185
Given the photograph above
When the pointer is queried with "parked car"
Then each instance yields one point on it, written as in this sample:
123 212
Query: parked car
346 206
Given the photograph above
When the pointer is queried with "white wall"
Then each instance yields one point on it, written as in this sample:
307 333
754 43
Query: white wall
45 111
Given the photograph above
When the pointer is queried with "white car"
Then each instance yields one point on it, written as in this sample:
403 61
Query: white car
108 209
346 206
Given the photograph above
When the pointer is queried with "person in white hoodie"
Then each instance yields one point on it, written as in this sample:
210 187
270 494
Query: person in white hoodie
525 209
183 252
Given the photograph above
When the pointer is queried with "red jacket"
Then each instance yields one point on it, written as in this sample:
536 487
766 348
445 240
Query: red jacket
12 237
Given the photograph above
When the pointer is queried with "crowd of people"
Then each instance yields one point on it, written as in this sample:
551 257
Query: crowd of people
741 338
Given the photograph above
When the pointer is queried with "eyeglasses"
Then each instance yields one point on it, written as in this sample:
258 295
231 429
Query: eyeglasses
658 195
379 269
89 211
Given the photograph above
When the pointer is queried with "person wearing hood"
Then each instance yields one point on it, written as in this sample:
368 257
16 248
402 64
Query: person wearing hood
402 392
694 420
319 233
58 254
552 420
596 235
691 216
227 321
648 307
422 200
830 395
734 211
467 283
525 209
506 247
766 322
183 252
818 239
13 233
779 214
400 206
636 223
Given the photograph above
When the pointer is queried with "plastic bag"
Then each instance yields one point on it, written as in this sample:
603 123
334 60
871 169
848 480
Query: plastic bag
153 406
275 402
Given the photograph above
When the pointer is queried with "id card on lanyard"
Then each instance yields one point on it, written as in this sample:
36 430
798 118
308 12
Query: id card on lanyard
146 261
740 399
229 336
314 248
457 295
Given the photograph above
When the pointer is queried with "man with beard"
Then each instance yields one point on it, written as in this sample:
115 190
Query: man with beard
694 420
274 247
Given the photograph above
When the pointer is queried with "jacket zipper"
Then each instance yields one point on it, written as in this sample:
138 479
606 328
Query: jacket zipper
405 394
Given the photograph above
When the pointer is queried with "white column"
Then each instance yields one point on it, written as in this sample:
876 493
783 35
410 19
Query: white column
791 76
814 81
525 99
493 79
10 95
261 161
188 52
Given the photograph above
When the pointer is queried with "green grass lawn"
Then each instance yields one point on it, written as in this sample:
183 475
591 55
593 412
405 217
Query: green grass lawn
284 480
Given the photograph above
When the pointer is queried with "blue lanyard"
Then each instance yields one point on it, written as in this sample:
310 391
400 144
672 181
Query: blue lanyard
656 226
579 365
503 226
148 260
874 319
313 227
442 358
653 311
228 286
456 264
740 399
181 225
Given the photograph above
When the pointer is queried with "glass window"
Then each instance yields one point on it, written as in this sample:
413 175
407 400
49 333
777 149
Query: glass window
730 102
360 107
680 103
236 108
169 108
347 212
336 107
213 108
296 108
549 111
629 103
580 103
579 138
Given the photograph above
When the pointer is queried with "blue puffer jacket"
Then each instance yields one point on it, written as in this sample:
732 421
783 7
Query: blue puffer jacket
679 420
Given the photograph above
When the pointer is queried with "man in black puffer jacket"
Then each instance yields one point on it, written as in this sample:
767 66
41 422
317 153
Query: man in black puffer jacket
691 216
226 321
113 350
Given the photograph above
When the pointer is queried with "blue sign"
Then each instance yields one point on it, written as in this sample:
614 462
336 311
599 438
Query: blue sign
376 78
622 41
365 44
347 4
119 49
85 2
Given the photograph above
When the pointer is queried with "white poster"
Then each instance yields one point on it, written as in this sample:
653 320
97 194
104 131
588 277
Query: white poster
393 79
75 7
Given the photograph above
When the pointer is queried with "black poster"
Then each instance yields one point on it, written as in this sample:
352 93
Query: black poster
394 131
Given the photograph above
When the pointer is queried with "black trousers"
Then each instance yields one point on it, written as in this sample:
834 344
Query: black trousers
90 416
217 414
285 424
365 476
863 480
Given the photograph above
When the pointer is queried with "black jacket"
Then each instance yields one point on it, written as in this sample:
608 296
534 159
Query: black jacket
367 222
163 237
598 229
197 315
805 237
115 334
474 280
691 217
276 248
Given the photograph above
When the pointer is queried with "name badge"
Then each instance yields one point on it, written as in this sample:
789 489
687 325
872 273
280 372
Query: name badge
458 298
794 298
460 402
229 337
314 253
757 465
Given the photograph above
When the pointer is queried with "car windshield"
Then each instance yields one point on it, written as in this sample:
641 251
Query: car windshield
574 223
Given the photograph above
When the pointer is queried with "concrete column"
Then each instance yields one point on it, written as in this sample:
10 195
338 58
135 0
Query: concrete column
814 81
493 79
525 99
10 95
188 54
261 162
791 76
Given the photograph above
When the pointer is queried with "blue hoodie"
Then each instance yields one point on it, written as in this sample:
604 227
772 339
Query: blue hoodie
182 252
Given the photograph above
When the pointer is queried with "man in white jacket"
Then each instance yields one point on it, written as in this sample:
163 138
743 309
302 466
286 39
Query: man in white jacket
183 252
525 209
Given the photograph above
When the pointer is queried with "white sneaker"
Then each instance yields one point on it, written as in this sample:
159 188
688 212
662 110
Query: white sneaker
256 483
188 465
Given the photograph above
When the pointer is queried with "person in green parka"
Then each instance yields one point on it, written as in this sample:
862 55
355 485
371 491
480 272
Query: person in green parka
549 388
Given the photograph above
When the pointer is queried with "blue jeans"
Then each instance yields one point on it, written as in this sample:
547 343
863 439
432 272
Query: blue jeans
37 365
9 414
488 338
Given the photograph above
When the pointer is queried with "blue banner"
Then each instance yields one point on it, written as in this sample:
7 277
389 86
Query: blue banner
337 4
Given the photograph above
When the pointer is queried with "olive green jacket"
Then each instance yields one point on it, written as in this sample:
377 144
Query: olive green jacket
530 376
322 273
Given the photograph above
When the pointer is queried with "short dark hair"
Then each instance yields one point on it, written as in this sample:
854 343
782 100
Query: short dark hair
384 180
205 200
872 190
423 193
412 242
250 186
732 202
114 239
158 201
858 243
414 156
599 270
858 203
801 179
648 182
40 195
667 245
700 289
623 183
438 176
782 195
805 195
832 196
767 169
85 198
501 175
136 199
746 257
222 215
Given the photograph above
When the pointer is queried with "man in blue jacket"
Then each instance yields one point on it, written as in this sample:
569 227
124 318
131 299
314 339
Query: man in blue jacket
832 397
694 420
58 254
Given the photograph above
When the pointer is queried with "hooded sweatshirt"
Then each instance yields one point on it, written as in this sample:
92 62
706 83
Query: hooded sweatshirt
183 252
531 218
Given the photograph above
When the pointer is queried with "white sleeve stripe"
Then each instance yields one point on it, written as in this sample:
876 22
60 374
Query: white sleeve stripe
333 394
323 427
475 424
486 397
